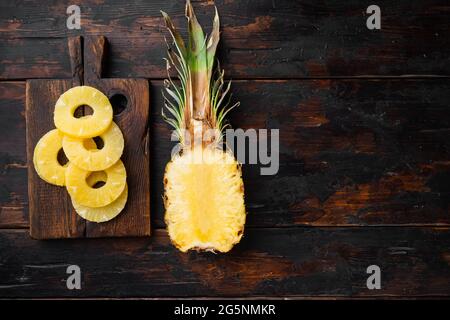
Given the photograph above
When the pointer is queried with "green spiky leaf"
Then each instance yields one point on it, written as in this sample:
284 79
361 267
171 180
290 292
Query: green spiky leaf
201 92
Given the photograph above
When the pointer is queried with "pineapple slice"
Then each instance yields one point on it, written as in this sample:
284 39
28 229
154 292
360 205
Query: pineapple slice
45 158
101 214
83 194
95 159
204 200
88 126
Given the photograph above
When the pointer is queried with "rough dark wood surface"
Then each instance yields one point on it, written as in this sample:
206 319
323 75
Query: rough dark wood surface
13 156
274 262
263 38
364 163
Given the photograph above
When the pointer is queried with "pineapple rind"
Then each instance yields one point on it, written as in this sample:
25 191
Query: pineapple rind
83 194
88 126
95 159
45 158
102 214
204 200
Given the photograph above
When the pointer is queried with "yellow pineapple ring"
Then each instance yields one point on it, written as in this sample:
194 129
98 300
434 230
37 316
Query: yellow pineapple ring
88 126
101 214
95 159
45 158
83 194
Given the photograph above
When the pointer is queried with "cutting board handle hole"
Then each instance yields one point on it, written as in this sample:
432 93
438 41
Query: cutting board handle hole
82 111
119 103
62 159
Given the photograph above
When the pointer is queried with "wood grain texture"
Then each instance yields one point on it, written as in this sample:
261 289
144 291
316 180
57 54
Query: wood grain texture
260 39
13 166
352 152
51 212
75 45
34 58
275 262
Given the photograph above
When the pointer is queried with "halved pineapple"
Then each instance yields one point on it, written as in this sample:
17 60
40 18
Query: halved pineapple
204 193
83 194
95 159
101 214
45 158
205 201
87 126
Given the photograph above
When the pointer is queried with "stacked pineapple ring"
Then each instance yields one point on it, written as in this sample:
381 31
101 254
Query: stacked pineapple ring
88 166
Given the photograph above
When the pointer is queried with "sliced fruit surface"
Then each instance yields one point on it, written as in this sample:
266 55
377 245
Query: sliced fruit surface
87 126
102 214
93 159
45 158
204 200
84 194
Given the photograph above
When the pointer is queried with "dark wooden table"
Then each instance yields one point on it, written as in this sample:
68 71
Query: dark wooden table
364 179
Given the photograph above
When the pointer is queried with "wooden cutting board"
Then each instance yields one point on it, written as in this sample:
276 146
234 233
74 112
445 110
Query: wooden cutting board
51 213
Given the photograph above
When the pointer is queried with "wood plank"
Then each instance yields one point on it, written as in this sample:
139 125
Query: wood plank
13 175
34 58
260 39
352 152
51 212
275 262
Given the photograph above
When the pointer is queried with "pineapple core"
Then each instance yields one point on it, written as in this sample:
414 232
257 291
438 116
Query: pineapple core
204 200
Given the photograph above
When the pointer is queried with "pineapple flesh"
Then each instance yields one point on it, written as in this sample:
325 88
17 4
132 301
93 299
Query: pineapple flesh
93 159
84 194
205 204
87 126
203 187
101 214
45 158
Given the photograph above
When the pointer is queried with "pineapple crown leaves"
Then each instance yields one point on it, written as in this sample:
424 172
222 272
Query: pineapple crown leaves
202 94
